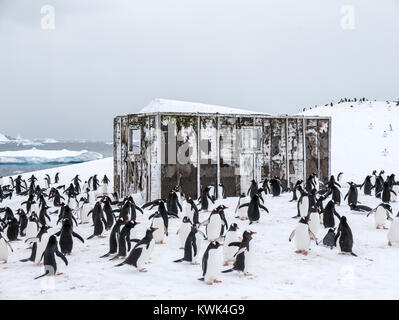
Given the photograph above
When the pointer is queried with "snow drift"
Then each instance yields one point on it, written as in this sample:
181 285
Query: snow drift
364 137
36 156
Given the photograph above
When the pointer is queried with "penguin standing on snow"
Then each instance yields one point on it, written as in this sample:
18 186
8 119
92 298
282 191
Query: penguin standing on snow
50 265
172 203
216 223
344 237
4 245
276 187
329 239
36 242
303 205
13 230
381 213
352 194
158 223
192 246
242 212
211 262
184 230
98 220
387 192
302 236
242 262
113 238
265 186
297 190
23 221
124 239
328 215
191 211
395 189
232 236
393 233
368 185
141 251
221 191
204 199
253 189
253 209
66 235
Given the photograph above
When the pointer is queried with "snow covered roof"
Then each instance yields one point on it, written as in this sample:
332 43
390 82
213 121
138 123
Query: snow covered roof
174 106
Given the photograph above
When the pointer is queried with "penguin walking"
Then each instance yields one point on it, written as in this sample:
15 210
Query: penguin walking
216 223
381 213
158 223
66 235
32 228
36 242
85 208
50 264
141 251
232 236
297 190
242 212
113 238
192 246
303 205
98 220
393 233
124 241
254 209
253 189
4 245
184 230
243 255
211 263
344 237
302 236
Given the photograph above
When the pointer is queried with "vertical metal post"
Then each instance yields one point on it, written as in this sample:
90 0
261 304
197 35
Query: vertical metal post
198 157
217 155
304 148
149 161
329 149
287 163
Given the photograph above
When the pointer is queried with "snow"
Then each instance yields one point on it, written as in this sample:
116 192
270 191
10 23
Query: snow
37 156
164 105
279 273
357 150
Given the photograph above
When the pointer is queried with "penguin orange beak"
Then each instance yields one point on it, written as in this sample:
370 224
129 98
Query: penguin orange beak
253 232
138 222
219 245
156 228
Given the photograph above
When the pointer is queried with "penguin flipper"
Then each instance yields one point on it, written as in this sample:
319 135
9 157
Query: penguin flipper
228 270
353 254
179 260
45 274
291 236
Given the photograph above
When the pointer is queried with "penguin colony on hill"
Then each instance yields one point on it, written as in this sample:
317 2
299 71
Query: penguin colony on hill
65 208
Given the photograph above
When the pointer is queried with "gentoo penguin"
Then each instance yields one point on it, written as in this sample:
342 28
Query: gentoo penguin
329 239
265 186
57 177
172 203
340 177
221 191
50 265
4 245
32 227
36 242
124 239
328 215
13 230
183 231
297 190
387 192
192 246
367 185
302 236
141 251
344 238
23 221
211 263
231 237
108 211
253 189
85 208
314 223
204 199
243 211
373 177
191 211
66 233
393 233
303 205
216 223
105 181
310 184
360 208
113 238
98 220
352 194
381 213
275 186
158 224
243 255
253 212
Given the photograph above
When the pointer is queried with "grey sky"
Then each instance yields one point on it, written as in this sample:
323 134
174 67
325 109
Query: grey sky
106 58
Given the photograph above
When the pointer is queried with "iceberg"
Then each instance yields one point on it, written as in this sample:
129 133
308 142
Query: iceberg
37 156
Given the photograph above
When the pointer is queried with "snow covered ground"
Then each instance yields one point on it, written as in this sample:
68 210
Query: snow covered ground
358 147
279 273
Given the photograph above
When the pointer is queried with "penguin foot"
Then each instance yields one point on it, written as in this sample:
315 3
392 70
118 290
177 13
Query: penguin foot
59 273
217 281
226 263
5 261
305 253
143 270
181 248
298 251
102 236
385 228
195 263
247 274
389 243
209 283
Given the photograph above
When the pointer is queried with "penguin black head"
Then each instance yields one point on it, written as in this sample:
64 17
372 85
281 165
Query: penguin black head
186 220
151 230
233 227
247 235
386 206
242 195
343 219
52 241
214 245
304 220
221 208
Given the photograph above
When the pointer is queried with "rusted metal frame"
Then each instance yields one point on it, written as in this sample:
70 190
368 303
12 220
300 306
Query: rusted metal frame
287 163
217 156
198 157
304 148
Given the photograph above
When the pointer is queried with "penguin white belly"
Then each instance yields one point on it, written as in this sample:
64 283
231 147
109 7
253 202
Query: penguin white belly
214 227
213 265
141 259
380 216
159 234
372 179
198 240
3 250
84 217
304 207
92 197
41 246
229 252
248 255
242 213
395 188
302 238
314 223
393 233
186 211
72 204
35 208
31 230
184 231
104 188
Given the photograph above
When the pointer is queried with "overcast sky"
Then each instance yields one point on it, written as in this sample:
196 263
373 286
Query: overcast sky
106 58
